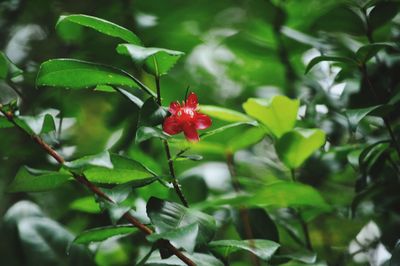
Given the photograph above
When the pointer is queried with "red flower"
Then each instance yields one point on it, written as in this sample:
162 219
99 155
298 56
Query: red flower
186 118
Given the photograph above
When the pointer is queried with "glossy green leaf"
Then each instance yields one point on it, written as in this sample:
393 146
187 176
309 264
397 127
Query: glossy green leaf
77 74
7 68
248 138
199 259
288 194
167 216
102 233
103 26
294 147
156 61
263 249
123 170
224 114
145 133
102 160
368 51
383 12
37 125
278 114
182 237
33 180
85 204
4 123
304 256
151 114
336 59
226 127
355 116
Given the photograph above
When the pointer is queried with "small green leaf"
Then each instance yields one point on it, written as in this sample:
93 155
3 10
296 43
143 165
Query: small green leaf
263 249
33 180
199 259
37 125
101 160
167 216
224 114
85 204
356 115
294 147
337 59
368 51
102 233
223 128
382 13
4 123
7 68
77 74
103 26
145 133
182 237
278 114
123 170
156 61
304 256
288 194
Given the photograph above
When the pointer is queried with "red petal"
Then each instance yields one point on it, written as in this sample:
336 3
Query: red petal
174 107
192 101
171 126
202 121
190 132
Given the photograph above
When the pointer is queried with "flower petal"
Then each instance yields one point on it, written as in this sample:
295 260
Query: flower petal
174 107
171 126
190 132
192 101
202 121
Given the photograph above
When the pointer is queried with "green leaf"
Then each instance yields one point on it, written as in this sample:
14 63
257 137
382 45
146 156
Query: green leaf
145 133
224 114
354 116
33 180
248 138
294 147
103 26
382 13
156 61
37 125
167 216
85 204
77 74
4 123
288 194
340 18
182 237
366 52
337 59
223 128
263 249
102 160
7 68
102 233
151 114
304 256
124 170
199 259
278 114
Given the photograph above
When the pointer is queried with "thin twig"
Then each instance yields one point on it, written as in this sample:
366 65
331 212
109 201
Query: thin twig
81 178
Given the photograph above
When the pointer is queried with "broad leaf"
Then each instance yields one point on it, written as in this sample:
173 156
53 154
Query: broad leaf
33 180
4 123
168 216
77 74
85 204
248 138
264 249
278 114
102 233
156 61
103 26
145 133
224 114
367 51
199 259
336 59
102 160
288 194
182 237
123 170
296 146
354 116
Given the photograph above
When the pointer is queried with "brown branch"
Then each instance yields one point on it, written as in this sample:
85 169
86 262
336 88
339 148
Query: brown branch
81 178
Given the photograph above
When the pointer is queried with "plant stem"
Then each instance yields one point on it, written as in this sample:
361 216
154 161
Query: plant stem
81 178
171 167
244 212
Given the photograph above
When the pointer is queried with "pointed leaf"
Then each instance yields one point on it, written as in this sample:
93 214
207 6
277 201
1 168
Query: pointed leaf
278 114
101 25
368 51
33 180
37 125
7 68
337 59
224 114
264 249
156 61
199 259
102 160
226 127
102 233
356 115
296 146
85 204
